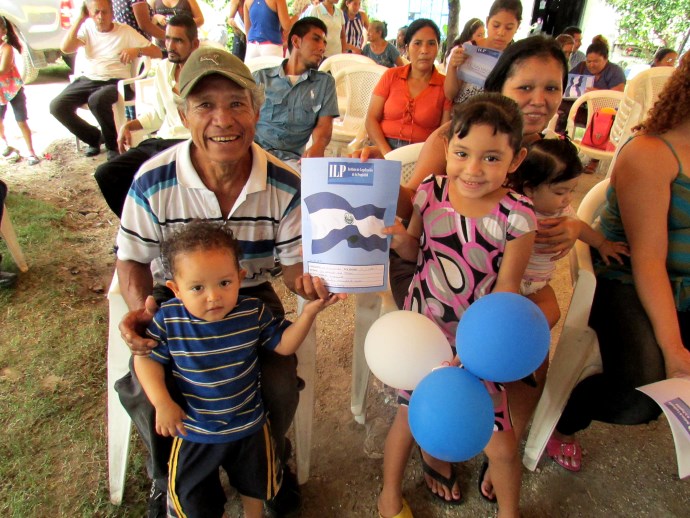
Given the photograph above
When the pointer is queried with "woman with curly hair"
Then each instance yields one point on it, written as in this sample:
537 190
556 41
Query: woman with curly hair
641 309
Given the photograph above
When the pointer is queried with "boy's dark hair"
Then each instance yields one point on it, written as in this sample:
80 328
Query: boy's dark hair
418 24
512 6
186 21
513 55
548 161
12 37
196 235
491 109
598 47
572 31
303 26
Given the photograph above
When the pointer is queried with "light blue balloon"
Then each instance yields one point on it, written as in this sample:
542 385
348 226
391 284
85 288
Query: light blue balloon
503 337
451 414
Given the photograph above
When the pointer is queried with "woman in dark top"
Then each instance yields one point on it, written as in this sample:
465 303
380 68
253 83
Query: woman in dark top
607 75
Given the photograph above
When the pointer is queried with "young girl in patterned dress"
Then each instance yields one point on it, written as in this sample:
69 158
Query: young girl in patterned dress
470 236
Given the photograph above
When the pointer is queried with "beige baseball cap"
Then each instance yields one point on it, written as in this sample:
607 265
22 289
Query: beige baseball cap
206 61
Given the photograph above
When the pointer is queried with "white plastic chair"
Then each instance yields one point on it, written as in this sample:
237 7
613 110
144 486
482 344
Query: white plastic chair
577 353
358 81
140 69
260 62
639 97
339 62
120 424
595 100
144 100
8 234
646 86
371 306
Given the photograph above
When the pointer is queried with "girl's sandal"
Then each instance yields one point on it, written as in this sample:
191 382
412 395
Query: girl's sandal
33 160
557 450
405 512
7 151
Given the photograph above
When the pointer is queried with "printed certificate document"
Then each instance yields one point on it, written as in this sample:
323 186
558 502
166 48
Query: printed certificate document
577 85
345 205
673 396
479 65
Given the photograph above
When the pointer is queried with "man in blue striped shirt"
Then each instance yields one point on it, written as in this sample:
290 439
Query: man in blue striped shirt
218 175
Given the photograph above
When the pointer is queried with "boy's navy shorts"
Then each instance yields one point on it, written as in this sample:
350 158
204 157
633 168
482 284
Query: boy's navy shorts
194 487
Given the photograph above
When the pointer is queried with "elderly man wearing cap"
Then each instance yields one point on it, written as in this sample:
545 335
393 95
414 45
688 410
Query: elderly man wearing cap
222 175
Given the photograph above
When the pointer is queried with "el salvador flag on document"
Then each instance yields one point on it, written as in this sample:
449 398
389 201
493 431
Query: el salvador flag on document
334 220
346 204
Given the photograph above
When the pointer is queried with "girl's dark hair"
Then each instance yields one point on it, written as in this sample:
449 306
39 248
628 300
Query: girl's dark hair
12 37
196 235
513 55
661 54
512 6
466 35
381 25
598 47
470 28
491 109
418 24
548 161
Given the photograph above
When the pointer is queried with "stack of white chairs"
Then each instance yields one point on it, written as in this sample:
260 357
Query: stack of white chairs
370 306
339 62
358 81
577 354
639 96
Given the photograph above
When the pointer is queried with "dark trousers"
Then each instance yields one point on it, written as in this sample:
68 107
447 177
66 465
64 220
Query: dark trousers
115 177
279 391
239 45
631 358
100 96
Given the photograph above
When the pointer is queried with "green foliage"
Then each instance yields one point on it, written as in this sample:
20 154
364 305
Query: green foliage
650 24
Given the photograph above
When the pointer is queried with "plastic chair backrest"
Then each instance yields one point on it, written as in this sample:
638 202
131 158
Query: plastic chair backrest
408 155
580 256
646 86
338 62
261 62
359 81
595 100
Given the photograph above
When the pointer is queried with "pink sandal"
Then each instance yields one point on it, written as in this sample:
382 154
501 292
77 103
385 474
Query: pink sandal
573 450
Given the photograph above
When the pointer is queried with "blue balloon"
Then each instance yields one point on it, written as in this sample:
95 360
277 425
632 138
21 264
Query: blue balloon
451 414
503 337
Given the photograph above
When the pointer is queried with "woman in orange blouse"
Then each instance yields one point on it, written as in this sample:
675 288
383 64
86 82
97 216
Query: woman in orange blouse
408 103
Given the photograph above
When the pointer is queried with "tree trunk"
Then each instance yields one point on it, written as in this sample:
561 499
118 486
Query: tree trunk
453 20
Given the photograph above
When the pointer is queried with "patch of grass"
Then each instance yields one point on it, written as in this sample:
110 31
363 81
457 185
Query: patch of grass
53 343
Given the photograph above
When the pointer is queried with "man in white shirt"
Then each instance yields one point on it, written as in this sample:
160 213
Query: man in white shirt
115 176
109 49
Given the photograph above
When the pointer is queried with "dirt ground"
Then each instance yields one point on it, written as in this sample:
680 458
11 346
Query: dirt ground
628 471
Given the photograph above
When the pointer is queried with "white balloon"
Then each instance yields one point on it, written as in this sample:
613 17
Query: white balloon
402 347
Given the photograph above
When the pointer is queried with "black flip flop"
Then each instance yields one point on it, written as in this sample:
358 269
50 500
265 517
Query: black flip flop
448 482
482 474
